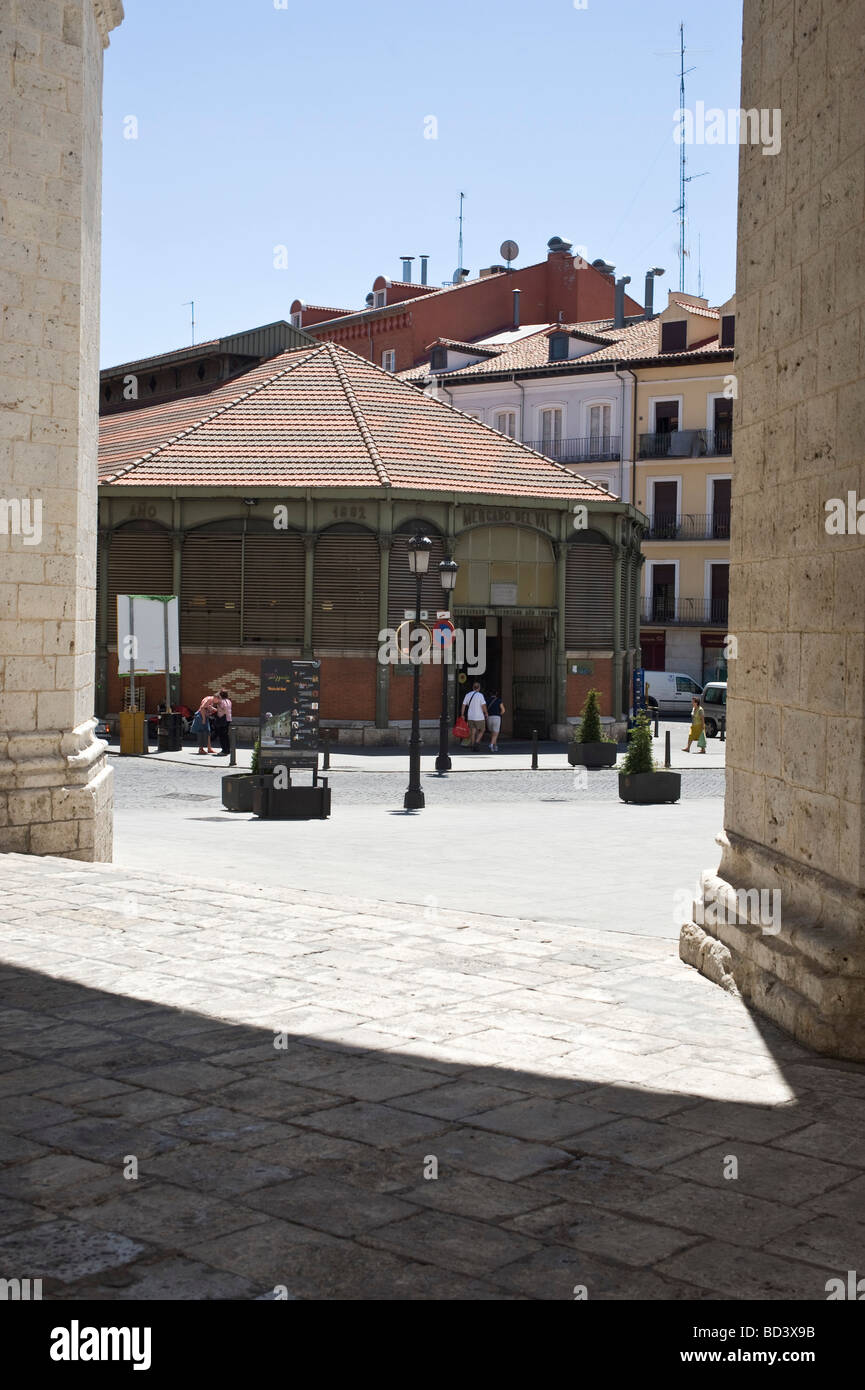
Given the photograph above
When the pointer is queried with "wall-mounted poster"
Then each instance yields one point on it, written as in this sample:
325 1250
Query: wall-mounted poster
289 708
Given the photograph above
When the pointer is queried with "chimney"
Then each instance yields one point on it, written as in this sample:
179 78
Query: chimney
619 320
649 296
423 265
516 308
406 268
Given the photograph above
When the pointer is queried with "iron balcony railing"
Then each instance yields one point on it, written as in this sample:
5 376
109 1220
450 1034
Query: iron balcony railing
687 444
594 448
685 612
693 526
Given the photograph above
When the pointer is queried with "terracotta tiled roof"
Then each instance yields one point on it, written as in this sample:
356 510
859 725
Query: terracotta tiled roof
325 309
637 342
487 349
319 417
697 309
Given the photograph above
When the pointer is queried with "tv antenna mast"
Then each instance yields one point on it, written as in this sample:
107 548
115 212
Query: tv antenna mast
460 242
190 304
684 177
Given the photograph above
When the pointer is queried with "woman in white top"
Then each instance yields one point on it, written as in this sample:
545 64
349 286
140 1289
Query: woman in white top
475 712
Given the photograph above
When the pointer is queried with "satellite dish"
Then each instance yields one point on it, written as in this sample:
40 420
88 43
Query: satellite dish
509 250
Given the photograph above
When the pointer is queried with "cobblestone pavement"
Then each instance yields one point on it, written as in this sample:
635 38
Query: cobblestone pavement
286 1072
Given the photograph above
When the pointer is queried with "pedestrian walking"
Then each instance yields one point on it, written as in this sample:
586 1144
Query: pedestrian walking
475 713
697 731
495 710
221 723
201 724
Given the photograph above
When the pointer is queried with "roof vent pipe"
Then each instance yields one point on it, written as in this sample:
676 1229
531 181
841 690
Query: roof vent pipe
406 268
623 280
516 308
649 297
423 271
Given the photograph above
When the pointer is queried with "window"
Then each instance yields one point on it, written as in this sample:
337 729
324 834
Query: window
551 424
666 417
295 320
674 336
438 359
685 686
728 330
388 360
378 299
505 421
558 347
599 423
715 695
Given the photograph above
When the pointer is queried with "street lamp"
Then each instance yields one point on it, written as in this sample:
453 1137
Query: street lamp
419 548
448 575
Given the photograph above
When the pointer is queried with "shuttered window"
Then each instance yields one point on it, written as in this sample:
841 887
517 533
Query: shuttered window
402 585
589 595
273 576
139 562
210 599
345 592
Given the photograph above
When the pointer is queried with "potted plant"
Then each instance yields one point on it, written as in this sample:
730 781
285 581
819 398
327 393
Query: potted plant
238 787
589 747
639 780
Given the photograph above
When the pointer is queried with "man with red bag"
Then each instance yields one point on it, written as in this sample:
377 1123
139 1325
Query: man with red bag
475 711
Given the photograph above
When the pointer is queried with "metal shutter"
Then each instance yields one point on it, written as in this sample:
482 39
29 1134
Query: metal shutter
345 592
139 562
273 580
401 587
210 600
589 595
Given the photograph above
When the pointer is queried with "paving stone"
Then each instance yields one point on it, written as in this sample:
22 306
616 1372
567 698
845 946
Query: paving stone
23 1114
379 1081
605 1233
496 1155
456 1099
326 1204
758 1123
603 1181
65 1250
835 1141
105 1140
42 1177
823 1240
378 1124
174 1278
847 1200
167 1213
541 1119
269 1097
213 1170
645 1142
471 1247
266 1253
557 1271
182 1078
745 1274
467 1194
764 1172
720 1210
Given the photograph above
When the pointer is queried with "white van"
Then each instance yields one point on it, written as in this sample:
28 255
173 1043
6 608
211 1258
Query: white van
671 692
714 704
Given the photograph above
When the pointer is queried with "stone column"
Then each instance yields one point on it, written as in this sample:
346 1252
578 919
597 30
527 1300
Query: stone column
793 816
55 786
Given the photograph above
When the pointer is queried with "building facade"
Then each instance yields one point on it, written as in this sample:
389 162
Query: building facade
643 410
279 507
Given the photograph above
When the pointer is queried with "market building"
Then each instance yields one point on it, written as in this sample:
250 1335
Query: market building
278 506
642 407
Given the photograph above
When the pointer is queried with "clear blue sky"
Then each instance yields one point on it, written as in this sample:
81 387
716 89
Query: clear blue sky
303 127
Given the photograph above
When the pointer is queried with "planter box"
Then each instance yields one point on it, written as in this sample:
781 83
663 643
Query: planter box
237 789
650 788
592 755
290 803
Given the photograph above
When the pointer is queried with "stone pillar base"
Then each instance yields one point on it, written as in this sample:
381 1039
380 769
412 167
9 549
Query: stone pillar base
56 794
795 953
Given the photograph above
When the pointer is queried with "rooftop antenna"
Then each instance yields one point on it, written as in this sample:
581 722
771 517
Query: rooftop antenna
700 264
190 303
460 244
684 177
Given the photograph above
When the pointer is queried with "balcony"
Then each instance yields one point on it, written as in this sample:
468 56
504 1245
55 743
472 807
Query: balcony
689 527
687 444
594 448
685 612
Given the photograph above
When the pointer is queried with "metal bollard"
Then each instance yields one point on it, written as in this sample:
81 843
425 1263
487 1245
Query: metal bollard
232 746
722 734
667 749
656 726
326 735
534 750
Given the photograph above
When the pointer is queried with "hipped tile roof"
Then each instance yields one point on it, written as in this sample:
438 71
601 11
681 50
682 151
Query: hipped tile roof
324 417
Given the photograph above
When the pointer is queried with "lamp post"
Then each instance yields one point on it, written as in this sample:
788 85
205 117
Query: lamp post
448 574
419 548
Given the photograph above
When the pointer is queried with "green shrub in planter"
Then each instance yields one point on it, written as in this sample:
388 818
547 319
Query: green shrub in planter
256 753
590 747
639 779
639 755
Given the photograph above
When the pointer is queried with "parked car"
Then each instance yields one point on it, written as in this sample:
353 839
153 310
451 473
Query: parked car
714 704
670 692
103 728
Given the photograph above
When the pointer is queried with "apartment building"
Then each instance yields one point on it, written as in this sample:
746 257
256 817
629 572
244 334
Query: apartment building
643 408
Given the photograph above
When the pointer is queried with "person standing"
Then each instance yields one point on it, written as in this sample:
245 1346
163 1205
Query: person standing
475 712
201 724
222 723
697 730
495 710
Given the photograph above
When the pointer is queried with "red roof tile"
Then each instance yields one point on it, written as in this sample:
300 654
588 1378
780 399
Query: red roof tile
319 417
